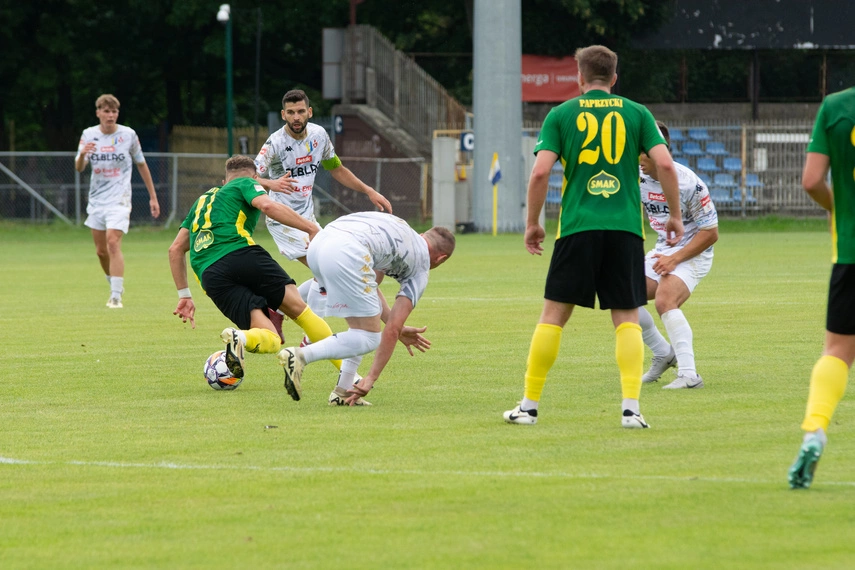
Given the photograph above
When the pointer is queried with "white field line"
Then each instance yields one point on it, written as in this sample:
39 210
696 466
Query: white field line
417 472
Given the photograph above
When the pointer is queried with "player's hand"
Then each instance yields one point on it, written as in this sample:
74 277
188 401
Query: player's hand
379 201
155 207
286 184
534 236
664 264
359 390
411 337
186 310
673 230
89 148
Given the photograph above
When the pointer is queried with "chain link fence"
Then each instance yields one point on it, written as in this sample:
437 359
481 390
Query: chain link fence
40 187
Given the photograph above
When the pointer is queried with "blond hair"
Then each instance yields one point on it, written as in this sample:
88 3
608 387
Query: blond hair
107 101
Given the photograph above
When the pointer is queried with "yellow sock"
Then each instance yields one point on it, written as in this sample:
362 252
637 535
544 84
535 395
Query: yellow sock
629 353
316 329
827 386
542 353
262 341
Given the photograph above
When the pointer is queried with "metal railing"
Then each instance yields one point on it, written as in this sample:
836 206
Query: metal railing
44 186
376 74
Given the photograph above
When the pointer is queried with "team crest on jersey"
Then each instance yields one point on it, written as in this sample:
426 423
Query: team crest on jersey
603 184
203 240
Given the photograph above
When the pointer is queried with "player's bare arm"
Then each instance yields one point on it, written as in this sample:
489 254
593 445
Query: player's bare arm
813 179
284 215
665 264
145 174
80 161
185 310
348 179
538 184
671 188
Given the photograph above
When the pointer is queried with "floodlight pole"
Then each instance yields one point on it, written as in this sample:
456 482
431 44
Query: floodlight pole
224 15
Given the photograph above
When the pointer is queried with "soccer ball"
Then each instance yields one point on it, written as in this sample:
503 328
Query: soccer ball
217 373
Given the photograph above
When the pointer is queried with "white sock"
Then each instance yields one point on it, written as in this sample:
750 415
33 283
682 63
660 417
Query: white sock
348 372
316 300
630 404
528 405
651 335
820 433
304 289
117 286
108 279
343 345
680 333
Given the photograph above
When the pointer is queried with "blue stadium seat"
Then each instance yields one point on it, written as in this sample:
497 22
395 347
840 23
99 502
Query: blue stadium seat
699 134
553 196
705 178
682 160
716 148
732 164
675 149
708 164
692 148
721 197
753 181
724 180
676 135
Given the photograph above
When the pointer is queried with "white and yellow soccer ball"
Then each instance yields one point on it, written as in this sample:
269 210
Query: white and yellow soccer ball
217 373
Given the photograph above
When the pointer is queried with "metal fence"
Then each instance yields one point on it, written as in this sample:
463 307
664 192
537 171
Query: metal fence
44 186
751 169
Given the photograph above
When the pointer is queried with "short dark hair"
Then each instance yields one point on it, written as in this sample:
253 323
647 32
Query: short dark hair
596 63
295 96
663 128
442 239
239 162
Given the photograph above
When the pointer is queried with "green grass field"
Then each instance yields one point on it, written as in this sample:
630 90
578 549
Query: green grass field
114 453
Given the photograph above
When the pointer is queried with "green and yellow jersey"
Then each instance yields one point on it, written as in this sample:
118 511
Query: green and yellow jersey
598 137
834 136
221 221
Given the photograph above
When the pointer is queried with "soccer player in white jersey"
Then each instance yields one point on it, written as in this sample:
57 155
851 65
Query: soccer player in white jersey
350 257
673 272
287 165
111 148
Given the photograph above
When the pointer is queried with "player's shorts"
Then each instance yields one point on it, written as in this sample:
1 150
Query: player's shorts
243 280
108 218
690 271
344 268
840 316
292 243
605 264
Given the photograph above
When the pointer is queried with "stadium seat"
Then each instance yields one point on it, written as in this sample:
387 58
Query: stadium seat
721 197
699 134
676 135
692 148
708 164
553 196
716 148
724 180
732 164
705 178
682 160
675 149
753 181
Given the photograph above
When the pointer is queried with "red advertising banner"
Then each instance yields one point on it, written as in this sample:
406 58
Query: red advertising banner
549 79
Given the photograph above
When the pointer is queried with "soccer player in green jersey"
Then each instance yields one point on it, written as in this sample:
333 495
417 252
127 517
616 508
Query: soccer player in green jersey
832 145
239 276
599 249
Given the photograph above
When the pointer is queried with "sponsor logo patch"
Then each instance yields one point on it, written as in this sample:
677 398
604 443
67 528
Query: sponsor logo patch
656 197
304 159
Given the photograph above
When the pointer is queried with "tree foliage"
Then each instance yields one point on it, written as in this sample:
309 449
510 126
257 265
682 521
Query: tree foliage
165 60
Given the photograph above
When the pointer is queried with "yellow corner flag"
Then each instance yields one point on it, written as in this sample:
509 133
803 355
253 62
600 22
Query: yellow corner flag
495 175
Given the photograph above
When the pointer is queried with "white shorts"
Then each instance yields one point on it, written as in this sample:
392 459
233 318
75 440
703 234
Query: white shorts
345 269
292 243
690 272
108 218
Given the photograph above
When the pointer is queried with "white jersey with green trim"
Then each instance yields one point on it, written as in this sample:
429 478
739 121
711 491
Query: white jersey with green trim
302 158
112 165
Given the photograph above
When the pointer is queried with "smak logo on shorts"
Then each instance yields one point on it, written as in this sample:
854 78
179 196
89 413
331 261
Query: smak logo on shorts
304 159
656 197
